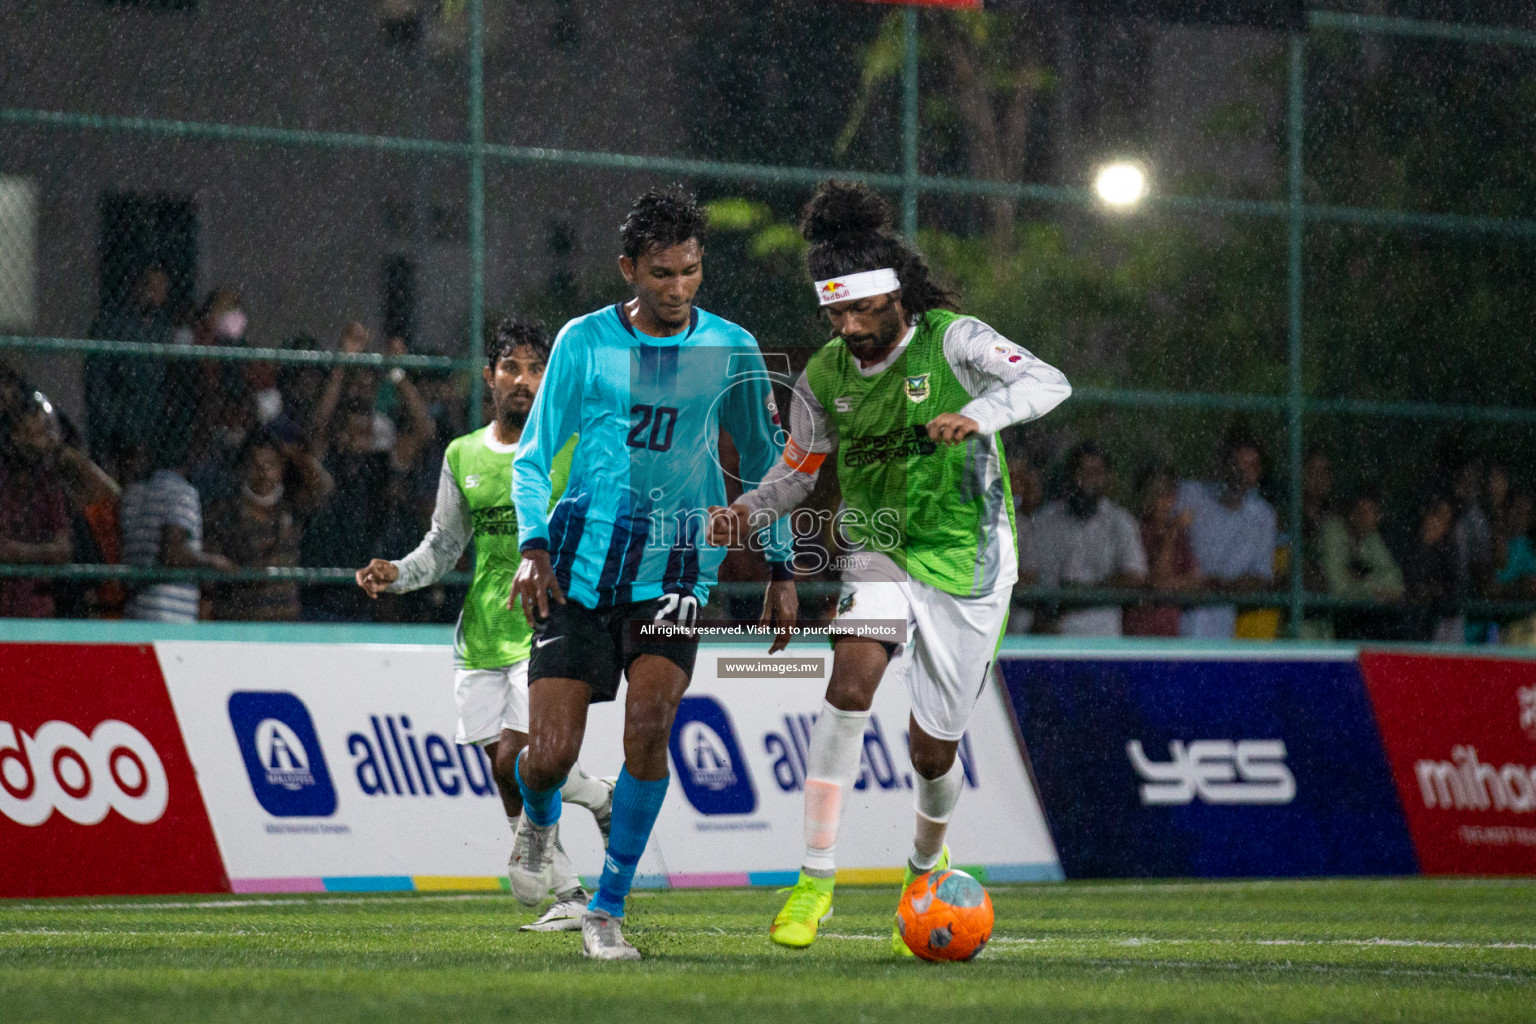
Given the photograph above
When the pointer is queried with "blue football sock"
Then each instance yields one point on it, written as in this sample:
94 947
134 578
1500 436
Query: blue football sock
541 806
635 806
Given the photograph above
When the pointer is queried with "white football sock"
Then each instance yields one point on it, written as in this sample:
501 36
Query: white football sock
584 790
832 765
935 800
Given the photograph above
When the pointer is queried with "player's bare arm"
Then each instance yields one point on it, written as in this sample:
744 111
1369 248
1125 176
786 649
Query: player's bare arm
534 585
781 608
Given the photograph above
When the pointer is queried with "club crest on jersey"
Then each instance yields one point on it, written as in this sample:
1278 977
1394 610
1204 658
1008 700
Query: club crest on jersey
917 388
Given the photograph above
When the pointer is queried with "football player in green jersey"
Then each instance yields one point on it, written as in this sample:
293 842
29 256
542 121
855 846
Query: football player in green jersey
492 641
910 395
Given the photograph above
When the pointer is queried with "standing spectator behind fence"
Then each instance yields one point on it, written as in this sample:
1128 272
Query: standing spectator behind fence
126 394
34 518
1358 566
1232 530
162 524
1516 578
370 462
1024 482
1087 540
1432 577
1473 530
280 486
1171 562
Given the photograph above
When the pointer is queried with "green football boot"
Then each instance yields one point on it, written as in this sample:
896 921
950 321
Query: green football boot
809 904
898 944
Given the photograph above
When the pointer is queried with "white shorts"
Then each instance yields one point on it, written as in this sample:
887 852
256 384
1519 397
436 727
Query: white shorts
951 641
490 700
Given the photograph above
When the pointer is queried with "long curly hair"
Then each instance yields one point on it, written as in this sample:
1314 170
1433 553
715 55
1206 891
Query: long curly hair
850 230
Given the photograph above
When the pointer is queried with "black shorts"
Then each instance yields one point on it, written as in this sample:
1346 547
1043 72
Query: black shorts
597 645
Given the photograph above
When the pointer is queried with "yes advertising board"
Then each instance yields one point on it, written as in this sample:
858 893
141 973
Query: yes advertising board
1461 737
1209 767
97 792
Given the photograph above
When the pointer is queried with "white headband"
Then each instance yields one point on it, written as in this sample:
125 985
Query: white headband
857 286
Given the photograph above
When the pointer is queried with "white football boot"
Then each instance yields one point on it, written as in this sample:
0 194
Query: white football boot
601 938
531 868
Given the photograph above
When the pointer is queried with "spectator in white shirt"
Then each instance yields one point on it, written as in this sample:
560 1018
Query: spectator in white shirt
1087 540
1232 530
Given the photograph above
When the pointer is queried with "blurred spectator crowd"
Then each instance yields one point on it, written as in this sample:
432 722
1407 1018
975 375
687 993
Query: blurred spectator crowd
1202 540
246 465
220 464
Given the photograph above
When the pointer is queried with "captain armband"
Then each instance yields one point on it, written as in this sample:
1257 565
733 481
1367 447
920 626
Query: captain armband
800 460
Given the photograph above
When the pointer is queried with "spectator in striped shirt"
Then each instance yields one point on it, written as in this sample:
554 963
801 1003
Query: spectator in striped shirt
162 524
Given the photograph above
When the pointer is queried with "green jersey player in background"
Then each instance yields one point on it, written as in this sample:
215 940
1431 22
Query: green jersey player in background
491 643
910 396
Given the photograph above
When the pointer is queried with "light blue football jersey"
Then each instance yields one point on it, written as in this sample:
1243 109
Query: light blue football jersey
633 522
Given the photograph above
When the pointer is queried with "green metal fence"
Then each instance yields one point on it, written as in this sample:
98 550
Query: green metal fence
476 153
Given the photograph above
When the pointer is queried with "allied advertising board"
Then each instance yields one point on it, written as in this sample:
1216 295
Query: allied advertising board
1175 766
739 749
1461 736
331 767
97 793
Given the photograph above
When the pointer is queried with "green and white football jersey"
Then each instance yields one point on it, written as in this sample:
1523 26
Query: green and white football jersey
944 513
474 501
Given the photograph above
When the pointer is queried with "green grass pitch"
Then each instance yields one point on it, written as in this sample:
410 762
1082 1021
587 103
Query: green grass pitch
1350 950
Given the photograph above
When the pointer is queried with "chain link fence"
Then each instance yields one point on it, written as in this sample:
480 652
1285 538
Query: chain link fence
261 262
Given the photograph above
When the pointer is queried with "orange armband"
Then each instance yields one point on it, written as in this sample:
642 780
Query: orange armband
797 458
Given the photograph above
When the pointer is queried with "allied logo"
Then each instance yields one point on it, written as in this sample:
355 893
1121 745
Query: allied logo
472 480
282 754
708 759
846 604
917 388
1215 772
83 777
773 409
1528 710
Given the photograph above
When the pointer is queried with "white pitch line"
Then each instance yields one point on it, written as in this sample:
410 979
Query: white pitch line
310 900
1133 941
1229 885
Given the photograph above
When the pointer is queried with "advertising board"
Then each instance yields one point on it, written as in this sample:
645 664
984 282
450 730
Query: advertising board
97 792
330 766
1461 737
1208 767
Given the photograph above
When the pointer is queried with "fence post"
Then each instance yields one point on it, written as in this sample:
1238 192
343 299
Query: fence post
909 127
476 204
1296 219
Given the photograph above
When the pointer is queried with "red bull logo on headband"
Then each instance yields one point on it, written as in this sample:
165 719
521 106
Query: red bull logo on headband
857 286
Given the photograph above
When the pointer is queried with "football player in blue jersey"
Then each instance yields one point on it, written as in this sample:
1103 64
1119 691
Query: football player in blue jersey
613 576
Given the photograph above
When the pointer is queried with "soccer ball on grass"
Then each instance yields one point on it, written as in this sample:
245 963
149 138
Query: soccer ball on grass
945 915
